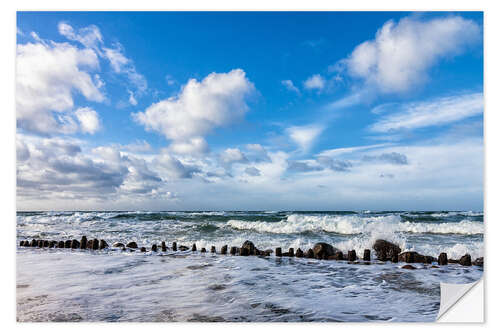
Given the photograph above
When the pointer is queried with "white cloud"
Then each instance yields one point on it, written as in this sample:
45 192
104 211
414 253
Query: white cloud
88 36
89 120
288 84
191 146
315 82
304 136
439 111
401 53
200 107
46 78
131 98
232 155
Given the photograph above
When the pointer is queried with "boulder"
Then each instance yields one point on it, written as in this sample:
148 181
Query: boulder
154 248
408 267
103 244
212 249
385 250
95 244
479 262
45 243
366 255
193 248
299 253
465 260
34 243
223 249
351 255
40 243
67 244
143 249
291 252
324 250
132 245
174 246
443 259
163 246
60 244
118 244
248 245
310 253
183 248
203 250
83 243
244 251
412 257
233 250
278 252
395 258
75 244
430 259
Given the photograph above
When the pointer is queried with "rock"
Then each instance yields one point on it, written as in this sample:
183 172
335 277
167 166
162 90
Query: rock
34 243
244 251
103 244
412 257
95 244
465 260
118 244
143 249
290 252
443 259
249 246
183 248
83 243
203 250
212 249
40 243
223 249
132 245
163 246
278 252
154 248
310 253
21 243
193 248
299 253
45 243
366 255
395 258
351 255
479 262
429 259
453 261
52 244
60 244
67 244
174 246
338 256
233 250
408 267
324 250
384 249
90 244
75 244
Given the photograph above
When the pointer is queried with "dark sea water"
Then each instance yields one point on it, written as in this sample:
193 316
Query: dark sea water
111 285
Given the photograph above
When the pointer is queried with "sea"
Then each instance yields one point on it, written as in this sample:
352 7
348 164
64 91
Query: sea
111 285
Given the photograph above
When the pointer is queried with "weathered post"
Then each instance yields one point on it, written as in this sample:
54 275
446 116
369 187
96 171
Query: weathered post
223 249
351 255
366 255
83 243
174 246
163 246
443 259
154 248
278 252
212 249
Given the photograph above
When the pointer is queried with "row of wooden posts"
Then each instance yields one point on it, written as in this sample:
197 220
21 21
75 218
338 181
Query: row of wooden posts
247 249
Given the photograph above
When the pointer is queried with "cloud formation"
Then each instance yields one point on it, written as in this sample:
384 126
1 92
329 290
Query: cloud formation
315 82
288 84
200 107
439 111
304 136
401 53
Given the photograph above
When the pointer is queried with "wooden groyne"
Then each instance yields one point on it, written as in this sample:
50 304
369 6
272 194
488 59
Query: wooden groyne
384 251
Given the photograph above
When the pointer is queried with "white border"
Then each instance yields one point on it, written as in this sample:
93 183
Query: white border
7 123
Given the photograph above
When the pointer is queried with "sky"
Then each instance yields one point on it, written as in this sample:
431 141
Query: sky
249 111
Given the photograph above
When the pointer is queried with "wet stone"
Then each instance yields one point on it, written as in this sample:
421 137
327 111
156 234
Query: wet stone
95 244
291 252
60 244
132 245
310 253
278 252
366 255
163 246
83 242
351 255
244 251
465 260
203 250
299 253
154 248
40 243
233 250
212 249
143 249
223 249
103 244
443 259
193 248
479 262
118 244
183 248
75 244
52 244
174 246
408 267
384 249
67 244
394 258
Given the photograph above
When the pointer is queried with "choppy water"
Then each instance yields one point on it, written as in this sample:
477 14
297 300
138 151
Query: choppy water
109 285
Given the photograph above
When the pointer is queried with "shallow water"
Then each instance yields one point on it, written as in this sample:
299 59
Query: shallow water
110 285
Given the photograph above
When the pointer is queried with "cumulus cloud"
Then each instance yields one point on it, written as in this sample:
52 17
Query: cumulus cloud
401 54
439 111
200 107
123 65
46 78
89 120
173 168
334 164
231 156
288 84
256 153
304 136
315 82
303 166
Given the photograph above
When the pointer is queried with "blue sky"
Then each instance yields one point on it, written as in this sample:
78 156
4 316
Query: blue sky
275 110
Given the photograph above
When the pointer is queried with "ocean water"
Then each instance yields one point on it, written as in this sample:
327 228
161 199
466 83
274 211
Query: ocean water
111 285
